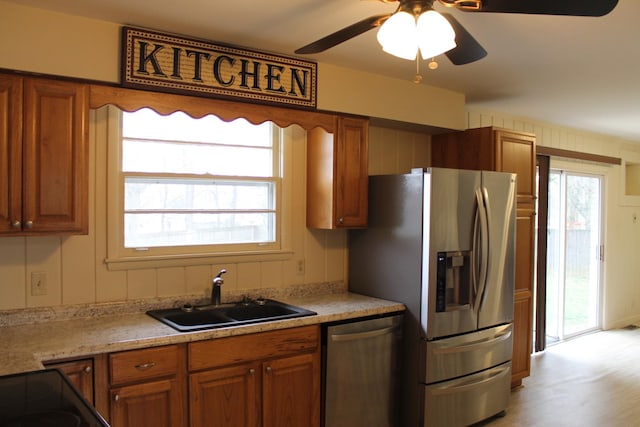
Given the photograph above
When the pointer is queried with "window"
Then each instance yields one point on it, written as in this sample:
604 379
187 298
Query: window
189 187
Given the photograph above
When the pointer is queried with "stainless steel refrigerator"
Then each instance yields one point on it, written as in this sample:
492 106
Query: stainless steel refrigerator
442 241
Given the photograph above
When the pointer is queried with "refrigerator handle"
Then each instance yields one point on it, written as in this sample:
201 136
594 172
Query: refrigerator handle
475 250
482 241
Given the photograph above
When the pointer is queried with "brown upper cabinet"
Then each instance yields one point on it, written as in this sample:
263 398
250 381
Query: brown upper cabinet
490 148
337 175
43 156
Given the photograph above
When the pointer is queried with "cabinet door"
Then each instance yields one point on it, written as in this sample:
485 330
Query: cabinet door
227 397
352 180
525 247
337 175
55 144
516 154
291 391
80 373
150 404
522 326
10 153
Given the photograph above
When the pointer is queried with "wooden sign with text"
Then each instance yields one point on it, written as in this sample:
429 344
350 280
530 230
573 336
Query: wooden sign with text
170 63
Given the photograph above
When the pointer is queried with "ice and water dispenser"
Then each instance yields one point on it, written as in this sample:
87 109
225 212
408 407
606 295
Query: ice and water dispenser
453 281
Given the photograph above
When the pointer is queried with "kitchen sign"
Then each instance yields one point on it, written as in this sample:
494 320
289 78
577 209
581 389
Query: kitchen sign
170 63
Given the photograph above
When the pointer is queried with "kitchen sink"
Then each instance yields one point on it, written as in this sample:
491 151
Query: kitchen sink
192 318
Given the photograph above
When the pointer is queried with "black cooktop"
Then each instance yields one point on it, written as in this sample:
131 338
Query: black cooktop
44 399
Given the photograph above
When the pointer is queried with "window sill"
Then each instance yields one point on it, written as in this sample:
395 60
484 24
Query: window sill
182 260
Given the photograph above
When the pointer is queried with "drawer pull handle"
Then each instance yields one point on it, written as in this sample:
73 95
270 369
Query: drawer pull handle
145 366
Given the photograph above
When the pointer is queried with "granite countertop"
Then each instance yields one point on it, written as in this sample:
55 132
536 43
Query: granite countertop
26 346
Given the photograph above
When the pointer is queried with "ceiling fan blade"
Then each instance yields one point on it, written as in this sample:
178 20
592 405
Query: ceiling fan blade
550 7
467 48
343 35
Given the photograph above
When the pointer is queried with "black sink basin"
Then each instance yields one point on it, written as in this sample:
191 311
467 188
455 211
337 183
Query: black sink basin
266 311
195 318
188 318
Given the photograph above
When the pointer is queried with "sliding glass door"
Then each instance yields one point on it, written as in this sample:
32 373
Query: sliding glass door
573 254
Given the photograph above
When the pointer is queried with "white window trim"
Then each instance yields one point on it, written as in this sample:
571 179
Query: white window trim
119 259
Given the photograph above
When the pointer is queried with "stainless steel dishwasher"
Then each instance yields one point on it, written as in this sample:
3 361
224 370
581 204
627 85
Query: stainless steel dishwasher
360 361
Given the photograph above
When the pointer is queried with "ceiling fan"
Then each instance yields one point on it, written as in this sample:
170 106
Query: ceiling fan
462 48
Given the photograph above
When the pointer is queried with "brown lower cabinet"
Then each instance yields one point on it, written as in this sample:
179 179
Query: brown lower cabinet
147 387
271 379
267 379
80 373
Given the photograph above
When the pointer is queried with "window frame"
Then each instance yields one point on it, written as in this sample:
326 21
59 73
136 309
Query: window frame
121 258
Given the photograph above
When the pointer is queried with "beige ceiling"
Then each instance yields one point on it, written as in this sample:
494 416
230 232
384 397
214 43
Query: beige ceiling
577 72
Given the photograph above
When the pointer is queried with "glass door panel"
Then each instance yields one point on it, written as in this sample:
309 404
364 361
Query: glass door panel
573 254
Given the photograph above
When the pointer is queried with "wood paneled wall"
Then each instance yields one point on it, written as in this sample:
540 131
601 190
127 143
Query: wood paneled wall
77 274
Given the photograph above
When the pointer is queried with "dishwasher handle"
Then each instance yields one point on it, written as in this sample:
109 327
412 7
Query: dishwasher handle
363 335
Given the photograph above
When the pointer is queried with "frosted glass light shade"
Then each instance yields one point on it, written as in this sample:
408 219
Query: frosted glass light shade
398 35
402 35
435 34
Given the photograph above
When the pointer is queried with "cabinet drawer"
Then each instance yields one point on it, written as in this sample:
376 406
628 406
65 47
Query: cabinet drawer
129 366
245 348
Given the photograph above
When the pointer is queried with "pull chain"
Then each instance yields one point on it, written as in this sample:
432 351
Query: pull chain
418 78
433 65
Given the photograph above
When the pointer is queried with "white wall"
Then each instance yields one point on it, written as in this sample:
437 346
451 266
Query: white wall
621 269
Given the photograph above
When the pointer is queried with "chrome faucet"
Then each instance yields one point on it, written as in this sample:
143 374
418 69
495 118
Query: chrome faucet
215 289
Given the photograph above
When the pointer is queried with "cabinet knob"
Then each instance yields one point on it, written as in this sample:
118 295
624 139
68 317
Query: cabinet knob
341 220
252 371
28 224
116 397
87 369
268 369
15 224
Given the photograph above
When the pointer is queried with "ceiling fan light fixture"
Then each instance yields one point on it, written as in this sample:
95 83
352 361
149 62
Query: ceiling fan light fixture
398 35
435 34
403 34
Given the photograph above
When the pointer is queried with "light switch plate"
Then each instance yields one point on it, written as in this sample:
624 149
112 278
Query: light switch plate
38 283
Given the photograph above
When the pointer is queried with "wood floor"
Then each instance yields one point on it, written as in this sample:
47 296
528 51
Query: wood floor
590 381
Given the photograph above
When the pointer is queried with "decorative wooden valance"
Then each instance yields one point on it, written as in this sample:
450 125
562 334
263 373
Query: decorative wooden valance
163 103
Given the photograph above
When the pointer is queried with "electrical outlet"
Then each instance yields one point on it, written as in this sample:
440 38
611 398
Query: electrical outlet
38 283
300 266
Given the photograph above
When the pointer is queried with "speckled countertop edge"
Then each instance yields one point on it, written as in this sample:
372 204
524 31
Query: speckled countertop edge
26 346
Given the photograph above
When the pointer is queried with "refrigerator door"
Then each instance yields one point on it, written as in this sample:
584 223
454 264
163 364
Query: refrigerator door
464 354
468 400
495 302
448 268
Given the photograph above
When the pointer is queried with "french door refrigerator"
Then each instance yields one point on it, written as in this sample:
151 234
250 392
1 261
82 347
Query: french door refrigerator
442 241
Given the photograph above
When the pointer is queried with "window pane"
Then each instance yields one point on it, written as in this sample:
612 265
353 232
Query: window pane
152 230
193 194
158 156
148 124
